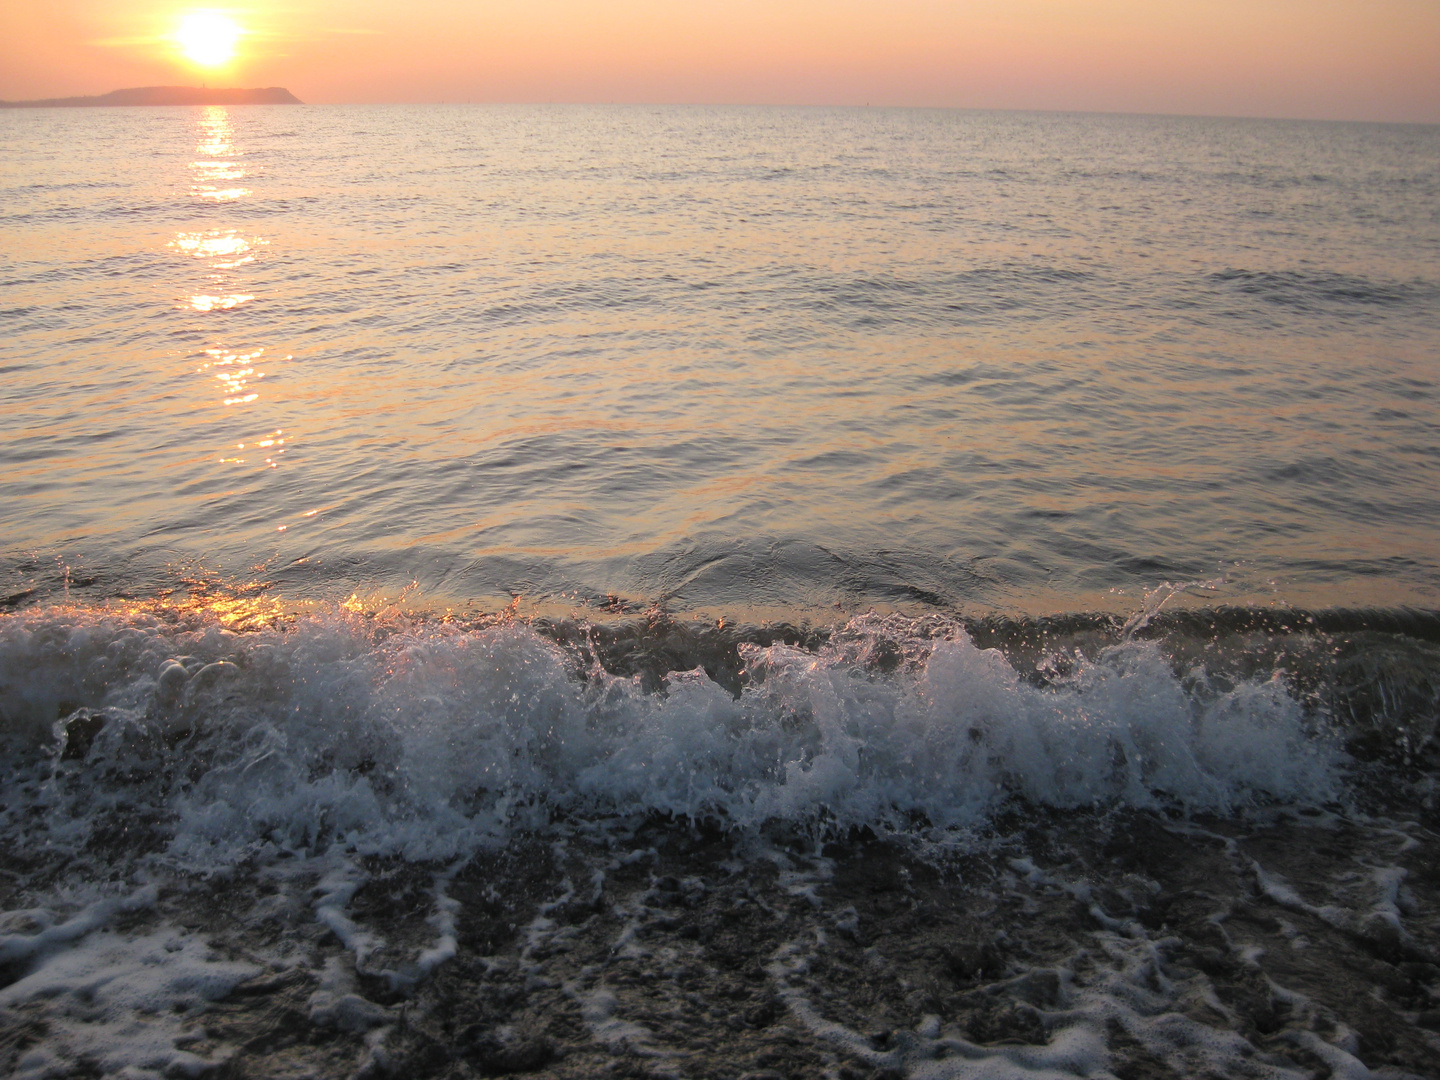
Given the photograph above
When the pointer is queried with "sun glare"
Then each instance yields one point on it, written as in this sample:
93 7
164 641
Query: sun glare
208 38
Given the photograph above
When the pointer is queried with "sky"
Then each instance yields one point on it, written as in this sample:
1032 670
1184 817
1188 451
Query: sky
1321 59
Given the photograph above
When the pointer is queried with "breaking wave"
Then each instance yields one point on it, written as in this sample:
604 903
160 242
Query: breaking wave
424 738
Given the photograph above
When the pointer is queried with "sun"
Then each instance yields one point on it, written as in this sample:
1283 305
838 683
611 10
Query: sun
208 38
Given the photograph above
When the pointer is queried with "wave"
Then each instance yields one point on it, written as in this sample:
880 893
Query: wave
1323 291
388 733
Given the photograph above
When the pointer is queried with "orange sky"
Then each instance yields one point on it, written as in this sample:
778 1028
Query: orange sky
1339 59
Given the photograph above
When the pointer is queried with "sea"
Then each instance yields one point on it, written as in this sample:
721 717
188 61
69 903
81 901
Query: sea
793 593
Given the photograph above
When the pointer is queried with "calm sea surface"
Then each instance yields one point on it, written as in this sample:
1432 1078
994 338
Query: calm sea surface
724 358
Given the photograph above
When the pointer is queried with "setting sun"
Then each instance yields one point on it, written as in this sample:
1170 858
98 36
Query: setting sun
208 38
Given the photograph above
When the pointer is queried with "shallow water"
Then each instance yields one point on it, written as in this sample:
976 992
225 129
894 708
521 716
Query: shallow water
721 358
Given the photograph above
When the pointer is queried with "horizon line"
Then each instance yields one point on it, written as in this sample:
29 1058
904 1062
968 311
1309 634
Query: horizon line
1034 110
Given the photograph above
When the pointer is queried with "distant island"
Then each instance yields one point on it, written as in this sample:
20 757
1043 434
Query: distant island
166 95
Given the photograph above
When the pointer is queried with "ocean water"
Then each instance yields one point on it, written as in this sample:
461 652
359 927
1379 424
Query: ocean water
449 554
722 358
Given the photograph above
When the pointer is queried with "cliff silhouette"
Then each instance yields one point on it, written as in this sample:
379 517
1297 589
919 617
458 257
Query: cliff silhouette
167 95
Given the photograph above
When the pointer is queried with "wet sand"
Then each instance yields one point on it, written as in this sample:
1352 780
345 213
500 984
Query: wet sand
1128 944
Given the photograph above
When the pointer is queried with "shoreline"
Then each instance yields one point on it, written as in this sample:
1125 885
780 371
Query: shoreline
1133 943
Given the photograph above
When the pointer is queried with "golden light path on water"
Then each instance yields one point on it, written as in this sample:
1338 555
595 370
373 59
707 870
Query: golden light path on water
225 251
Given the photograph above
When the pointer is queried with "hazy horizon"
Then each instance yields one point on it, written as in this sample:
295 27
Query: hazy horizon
821 107
1340 60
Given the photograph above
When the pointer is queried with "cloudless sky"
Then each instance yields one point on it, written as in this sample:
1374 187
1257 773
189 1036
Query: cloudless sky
1336 59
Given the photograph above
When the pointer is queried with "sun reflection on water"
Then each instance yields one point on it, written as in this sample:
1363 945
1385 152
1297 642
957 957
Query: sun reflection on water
217 243
208 599
217 170
222 253
216 144
235 372
272 445
218 303
215 131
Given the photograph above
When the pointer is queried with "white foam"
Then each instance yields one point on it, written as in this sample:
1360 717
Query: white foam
337 1002
1112 982
598 1008
49 938
443 920
1376 912
332 897
122 1003
1126 990
429 740
1342 1065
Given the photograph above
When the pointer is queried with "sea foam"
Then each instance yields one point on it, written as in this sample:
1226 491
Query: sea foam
426 739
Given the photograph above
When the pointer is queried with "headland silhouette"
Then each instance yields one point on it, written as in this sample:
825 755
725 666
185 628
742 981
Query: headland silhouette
167 95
